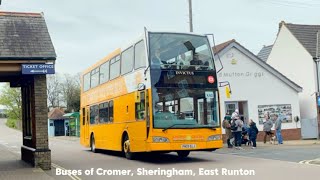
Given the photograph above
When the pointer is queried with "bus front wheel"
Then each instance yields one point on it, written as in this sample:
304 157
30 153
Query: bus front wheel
126 148
183 154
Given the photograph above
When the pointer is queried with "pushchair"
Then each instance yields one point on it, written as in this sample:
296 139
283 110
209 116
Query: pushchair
244 138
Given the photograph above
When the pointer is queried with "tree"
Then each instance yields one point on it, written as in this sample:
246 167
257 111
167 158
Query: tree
11 99
54 90
71 92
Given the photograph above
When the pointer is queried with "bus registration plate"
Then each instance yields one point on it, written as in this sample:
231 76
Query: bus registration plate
188 146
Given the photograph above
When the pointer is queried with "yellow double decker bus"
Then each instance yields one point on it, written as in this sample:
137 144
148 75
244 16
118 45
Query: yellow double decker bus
159 93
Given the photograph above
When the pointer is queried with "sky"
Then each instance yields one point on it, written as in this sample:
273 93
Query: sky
84 32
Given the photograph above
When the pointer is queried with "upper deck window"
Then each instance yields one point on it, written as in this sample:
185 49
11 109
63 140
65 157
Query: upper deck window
180 51
127 61
139 55
94 78
104 72
86 82
115 67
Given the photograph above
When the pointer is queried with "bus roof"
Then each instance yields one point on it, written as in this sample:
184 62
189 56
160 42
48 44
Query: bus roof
105 59
130 43
113 54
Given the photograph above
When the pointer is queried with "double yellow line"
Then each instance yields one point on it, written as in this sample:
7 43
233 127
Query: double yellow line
74 177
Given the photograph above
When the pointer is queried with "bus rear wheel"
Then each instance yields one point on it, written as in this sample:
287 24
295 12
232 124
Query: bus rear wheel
183 154
126 149
93 144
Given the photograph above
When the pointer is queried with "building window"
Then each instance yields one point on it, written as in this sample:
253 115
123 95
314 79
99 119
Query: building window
103 112
86 82
94 114
127 61
94 78
104 72
114 67
139 55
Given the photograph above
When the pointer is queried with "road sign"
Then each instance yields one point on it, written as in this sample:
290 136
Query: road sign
37 68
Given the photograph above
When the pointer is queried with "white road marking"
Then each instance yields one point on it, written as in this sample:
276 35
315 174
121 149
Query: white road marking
309 162
74 177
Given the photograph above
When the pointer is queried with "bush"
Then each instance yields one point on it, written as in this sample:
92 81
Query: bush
11 123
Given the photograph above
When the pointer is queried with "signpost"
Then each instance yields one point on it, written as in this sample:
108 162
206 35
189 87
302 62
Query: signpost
37 69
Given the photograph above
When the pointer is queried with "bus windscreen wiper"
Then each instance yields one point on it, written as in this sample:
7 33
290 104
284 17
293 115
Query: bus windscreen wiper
163 130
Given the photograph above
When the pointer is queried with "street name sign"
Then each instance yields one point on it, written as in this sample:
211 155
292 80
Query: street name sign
37 68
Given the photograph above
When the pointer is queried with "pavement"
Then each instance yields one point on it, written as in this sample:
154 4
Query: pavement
296 148
11 165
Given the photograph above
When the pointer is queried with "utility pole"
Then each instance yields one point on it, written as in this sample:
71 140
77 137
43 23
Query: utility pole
317 60
190 16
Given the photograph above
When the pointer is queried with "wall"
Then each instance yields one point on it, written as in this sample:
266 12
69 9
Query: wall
50 128
252 83
290 58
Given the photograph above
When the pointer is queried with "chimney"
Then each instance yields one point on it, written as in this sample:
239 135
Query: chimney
281 24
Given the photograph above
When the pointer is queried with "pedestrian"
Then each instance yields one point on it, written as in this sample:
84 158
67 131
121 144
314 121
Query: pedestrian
226 124
267 125
277 128
236 128
253 132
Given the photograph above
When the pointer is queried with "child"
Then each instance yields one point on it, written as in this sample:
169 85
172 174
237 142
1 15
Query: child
253 132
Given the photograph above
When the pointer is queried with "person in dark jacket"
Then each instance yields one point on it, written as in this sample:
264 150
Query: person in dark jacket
253 132
226 125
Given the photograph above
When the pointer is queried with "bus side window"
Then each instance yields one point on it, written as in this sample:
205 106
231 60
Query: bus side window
140 107
139 55
103 112
94 114
111 111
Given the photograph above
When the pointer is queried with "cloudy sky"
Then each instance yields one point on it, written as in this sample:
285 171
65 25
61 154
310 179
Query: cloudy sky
85 31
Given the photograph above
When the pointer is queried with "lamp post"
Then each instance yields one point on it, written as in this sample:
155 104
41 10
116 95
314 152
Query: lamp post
317 60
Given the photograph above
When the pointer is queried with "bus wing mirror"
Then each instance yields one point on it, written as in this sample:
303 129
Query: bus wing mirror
216 60
141 87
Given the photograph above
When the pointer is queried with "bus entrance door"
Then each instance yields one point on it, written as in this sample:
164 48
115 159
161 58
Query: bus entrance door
86 126
139 131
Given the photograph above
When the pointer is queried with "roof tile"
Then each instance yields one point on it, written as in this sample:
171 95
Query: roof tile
25 35
307 36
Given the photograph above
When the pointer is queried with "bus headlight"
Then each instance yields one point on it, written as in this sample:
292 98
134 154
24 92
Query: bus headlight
158 139
214 137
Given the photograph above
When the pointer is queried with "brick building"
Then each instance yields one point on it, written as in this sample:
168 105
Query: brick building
24 39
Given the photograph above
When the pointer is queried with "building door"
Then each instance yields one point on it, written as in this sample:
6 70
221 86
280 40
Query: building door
231 107
59 128
242 106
